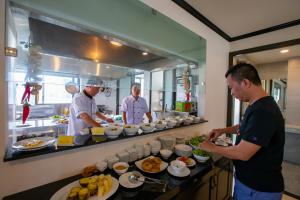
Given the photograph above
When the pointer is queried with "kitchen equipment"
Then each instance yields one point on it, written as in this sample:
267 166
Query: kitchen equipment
72 88
137 176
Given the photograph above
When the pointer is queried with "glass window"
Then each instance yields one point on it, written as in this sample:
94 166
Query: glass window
54 90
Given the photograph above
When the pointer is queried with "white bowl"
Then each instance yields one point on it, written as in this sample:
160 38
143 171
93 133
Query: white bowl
165 153
200 158
178 166
131 129
183 150
188 120
160 124
171 123
113 131
197 119
101 166
179 121
147 127
121 164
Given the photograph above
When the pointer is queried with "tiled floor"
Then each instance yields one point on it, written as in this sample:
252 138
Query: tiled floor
285 197
291 175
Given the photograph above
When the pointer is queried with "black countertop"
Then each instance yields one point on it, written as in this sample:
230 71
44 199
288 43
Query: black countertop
145 192
12 154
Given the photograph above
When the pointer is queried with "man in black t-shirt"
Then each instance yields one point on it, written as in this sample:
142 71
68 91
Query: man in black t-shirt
258 152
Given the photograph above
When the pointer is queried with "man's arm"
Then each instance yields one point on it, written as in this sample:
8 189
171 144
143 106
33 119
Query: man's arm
88 120
101 116
230 129
243 151
213 134
124 117
149 116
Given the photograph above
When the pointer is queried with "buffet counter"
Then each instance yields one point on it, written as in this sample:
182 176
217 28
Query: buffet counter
176 188
12 154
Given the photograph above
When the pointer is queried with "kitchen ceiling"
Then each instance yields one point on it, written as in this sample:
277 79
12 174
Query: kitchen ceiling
236 18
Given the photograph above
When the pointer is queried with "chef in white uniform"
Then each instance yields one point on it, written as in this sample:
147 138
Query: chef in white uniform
83 109
134 107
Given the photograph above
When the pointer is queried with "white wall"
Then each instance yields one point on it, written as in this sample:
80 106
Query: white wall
270 71
293 93
268 38
27 173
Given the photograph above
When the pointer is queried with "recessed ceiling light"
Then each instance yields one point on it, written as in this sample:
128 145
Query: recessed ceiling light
145 53
118 44
284 51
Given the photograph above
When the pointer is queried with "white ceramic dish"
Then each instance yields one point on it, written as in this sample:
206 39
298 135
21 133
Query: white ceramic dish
32 144
163 165
185 172
177 166
63 192
147 127
160 124
165 153
201 158
113 132
101 166
120 171
191 162
123 179
183 150
171 123
131 129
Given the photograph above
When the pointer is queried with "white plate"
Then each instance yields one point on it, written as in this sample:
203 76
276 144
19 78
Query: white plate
62 194
193 162
125 182
41 142
185 172
163 165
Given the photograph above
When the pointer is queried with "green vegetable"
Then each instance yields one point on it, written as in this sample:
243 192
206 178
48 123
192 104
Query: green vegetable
195 141
56 117
200 152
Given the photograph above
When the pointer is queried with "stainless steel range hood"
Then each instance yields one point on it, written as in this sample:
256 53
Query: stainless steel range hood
57 40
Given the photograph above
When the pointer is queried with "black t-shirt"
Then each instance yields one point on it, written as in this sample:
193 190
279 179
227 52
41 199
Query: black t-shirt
262 125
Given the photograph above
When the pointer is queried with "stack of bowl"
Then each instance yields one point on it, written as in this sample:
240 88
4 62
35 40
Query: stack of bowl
155 146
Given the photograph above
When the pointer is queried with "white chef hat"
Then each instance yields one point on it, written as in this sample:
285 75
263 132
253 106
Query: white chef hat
94 82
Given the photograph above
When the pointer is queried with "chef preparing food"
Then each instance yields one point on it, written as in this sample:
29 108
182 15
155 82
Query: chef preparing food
134 107
83 109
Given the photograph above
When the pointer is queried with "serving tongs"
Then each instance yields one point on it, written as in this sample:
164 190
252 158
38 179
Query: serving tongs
136 177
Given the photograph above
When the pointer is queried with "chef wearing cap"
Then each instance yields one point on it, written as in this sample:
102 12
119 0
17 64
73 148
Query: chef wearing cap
83 109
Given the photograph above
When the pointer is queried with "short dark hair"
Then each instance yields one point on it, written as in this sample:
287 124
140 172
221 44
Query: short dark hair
243 71
136 84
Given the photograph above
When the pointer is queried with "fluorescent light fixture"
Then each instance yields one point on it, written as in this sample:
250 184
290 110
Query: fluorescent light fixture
145 53
284 51
118 44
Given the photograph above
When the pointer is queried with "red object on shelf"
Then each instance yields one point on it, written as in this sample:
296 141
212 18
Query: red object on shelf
26 110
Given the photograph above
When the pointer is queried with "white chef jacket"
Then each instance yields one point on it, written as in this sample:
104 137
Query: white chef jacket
81 103
135 109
